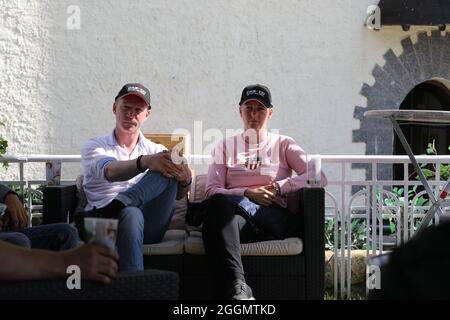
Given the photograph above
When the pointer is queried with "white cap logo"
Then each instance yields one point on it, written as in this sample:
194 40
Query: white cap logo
140 90
257 92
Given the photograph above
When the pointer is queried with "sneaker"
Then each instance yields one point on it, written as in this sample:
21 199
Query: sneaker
240 291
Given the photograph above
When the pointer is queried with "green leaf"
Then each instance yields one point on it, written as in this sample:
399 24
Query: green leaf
3 146
392 226
431 148
428 173
421 201
444 171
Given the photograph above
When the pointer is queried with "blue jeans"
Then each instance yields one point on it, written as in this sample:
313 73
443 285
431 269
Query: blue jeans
149 208
58 236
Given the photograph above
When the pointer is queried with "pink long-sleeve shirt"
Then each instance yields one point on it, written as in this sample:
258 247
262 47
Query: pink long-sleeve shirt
238 165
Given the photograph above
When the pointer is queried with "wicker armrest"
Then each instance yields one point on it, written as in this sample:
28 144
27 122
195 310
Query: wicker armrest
145 285
312 207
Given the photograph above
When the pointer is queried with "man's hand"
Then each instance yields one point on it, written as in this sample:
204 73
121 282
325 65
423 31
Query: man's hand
162 162
184 181
16 215
263 195
96 262
184 176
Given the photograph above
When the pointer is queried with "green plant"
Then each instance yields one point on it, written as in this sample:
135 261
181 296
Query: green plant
358 234
329 233
3 148
444 169
357 231
429 172
399 193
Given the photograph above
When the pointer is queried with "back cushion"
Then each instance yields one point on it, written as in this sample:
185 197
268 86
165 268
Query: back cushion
197 194
179 216
198 191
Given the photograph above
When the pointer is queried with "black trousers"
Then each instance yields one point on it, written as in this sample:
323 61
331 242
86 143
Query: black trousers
227 224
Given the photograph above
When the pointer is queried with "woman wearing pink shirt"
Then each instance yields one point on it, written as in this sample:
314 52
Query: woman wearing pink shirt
246 187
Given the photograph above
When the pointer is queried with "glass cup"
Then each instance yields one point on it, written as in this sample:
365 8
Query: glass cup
313 170
101 231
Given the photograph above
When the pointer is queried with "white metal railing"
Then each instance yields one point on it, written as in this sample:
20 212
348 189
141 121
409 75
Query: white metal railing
377 202
22 182
367 207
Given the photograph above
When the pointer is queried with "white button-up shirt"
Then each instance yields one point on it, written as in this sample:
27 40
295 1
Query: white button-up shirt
96 153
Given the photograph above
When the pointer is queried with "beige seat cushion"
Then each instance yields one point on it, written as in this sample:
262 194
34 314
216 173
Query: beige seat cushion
172 243
286 247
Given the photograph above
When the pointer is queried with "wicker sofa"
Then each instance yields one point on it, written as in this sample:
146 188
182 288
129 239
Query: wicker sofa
288 269
146 285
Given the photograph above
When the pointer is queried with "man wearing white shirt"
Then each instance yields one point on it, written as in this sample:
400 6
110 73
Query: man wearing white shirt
128 177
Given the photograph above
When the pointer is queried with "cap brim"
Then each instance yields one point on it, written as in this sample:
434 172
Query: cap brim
256 99
137 94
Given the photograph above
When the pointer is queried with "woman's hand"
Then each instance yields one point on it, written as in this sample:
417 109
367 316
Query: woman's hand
263 195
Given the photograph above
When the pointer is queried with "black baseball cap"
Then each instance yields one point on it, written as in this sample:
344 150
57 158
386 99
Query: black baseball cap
136 89
257 92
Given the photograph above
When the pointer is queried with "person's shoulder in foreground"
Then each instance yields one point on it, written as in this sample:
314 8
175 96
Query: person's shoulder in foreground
418 269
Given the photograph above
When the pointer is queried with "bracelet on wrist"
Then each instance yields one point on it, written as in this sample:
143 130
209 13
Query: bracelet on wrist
138 164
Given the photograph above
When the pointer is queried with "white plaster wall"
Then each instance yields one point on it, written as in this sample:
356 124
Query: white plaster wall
57 85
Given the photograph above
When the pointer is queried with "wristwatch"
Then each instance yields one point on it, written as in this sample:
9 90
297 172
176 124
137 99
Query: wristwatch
276 188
